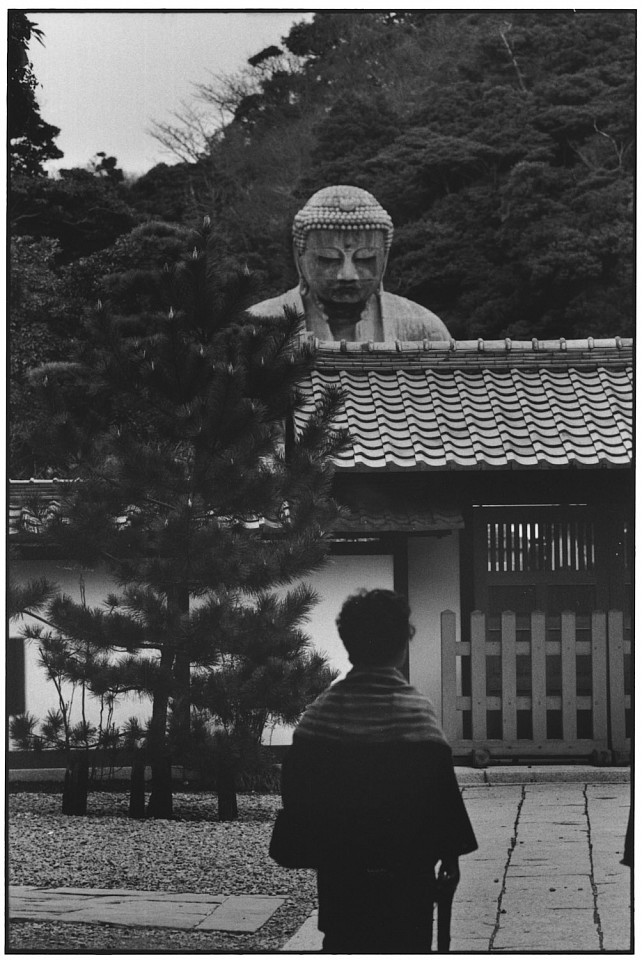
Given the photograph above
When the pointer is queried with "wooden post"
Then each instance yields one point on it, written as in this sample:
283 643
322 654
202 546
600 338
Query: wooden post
509 677
538 674
449 675
400 583
478 674
569 677
598 677
616 680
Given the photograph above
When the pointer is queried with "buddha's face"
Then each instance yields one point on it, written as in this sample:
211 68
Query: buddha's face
343 266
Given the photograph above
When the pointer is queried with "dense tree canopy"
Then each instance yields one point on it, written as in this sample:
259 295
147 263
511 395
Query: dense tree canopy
500 142
81 209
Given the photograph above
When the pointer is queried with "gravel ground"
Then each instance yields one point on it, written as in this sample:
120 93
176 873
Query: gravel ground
193 853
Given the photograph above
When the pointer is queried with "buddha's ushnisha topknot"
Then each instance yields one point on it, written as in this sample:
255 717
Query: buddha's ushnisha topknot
341 207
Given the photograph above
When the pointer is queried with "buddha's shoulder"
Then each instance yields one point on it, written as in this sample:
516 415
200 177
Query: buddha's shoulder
275 305
407 320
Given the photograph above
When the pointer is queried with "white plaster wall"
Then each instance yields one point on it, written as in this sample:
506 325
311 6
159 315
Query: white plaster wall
341 576
433 586
40 693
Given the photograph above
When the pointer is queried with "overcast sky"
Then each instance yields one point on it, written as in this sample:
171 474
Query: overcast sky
106 76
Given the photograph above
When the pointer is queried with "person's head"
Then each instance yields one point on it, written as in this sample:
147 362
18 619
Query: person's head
374 626
342 237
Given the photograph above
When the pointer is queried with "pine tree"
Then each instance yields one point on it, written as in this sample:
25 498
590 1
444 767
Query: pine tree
31 139
201 497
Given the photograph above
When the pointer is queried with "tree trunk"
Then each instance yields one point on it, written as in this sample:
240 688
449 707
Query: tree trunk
226 790
160 804
137 788
76 787
160 801
178 604
181 707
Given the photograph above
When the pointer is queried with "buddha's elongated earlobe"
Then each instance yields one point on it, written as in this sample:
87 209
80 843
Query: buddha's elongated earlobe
385 264
304 286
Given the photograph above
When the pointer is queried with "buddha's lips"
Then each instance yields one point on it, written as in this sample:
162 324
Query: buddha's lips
348 290
343 310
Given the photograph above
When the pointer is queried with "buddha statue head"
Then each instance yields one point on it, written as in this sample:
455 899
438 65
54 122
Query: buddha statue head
342 238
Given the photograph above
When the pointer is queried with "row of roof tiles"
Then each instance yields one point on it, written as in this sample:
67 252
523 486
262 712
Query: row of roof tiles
422 416
33 503
479 345
458 354
430 419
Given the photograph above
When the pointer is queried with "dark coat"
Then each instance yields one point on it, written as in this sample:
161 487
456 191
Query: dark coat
354 804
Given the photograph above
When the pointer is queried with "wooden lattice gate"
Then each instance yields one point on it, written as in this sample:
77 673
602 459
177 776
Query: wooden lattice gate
538 686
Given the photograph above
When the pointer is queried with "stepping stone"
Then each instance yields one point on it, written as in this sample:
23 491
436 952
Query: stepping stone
143 913
241 914
307 938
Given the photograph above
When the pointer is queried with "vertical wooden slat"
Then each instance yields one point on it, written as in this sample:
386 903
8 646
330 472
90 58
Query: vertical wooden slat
509 677
538 674
478 674
581 544
569 680
520 547
400 583
616 678
598 672
449 675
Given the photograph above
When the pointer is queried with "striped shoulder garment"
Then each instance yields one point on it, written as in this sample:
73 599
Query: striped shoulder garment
374 705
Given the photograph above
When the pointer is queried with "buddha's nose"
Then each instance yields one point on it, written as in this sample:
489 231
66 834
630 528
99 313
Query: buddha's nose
348 270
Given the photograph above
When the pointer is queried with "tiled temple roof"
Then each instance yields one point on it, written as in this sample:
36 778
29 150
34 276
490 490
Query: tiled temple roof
480 404
452 405
32 503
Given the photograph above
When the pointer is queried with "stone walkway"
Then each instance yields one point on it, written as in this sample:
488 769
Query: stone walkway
142 908
546 877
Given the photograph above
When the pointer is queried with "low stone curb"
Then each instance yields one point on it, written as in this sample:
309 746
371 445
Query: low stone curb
469 776
466 776
489 776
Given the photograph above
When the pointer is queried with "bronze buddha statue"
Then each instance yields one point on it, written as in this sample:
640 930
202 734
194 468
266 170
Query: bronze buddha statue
342 238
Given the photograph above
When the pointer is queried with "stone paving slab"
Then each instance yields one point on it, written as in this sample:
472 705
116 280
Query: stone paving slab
241 914
307 938
40 893
140 908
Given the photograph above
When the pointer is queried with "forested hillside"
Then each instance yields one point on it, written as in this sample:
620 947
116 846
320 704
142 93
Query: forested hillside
502 144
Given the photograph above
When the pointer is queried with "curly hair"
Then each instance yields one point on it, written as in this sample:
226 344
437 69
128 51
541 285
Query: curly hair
374 626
